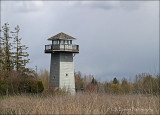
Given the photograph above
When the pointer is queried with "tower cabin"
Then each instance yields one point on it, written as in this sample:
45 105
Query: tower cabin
61 66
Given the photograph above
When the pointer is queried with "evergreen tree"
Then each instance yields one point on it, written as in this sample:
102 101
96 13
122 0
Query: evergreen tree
115 81
0 54
20 56
6 57
94 82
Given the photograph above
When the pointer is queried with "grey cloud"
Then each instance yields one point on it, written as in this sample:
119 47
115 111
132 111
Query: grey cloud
108 5
22 6
115 43
100 4
130 5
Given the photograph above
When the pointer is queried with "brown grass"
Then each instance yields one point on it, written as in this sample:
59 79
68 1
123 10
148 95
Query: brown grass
81 104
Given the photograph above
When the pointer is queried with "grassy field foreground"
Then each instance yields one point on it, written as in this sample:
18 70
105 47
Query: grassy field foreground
80 104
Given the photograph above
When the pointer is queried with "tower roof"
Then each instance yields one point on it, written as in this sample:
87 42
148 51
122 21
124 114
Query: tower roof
62 36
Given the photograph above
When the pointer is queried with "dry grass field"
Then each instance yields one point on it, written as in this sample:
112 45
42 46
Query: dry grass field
80 104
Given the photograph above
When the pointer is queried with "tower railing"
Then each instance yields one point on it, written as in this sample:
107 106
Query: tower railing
61 47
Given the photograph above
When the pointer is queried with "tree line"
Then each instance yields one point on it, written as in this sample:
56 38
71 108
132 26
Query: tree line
144 84
15 77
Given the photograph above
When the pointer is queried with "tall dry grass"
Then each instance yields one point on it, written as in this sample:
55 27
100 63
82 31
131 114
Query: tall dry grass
80 104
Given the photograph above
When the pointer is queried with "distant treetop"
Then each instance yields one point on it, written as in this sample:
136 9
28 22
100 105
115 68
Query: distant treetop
115 81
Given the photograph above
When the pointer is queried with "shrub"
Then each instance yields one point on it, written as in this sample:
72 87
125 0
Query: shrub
17 83
31 86
115 88
3 87
36 86
91 88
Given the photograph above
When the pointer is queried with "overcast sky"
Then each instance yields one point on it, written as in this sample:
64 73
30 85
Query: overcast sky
116 38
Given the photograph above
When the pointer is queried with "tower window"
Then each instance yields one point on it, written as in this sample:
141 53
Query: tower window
55 42
66 74
66 42
62 41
